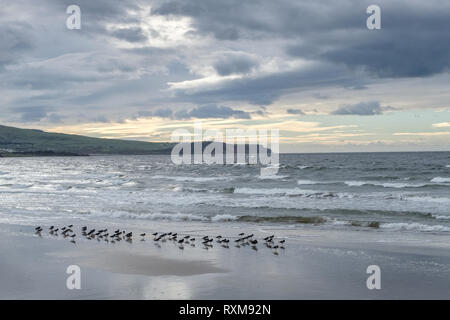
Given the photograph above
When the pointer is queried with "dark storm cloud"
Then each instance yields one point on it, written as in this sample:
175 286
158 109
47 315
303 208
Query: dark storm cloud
15 39
129 34
201 112
369 108
295 111
264 90
212 111
414 40
31 114
235 64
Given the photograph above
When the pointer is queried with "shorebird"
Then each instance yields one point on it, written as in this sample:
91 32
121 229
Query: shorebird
254 241
282 241
83 228
241 234
51 228
155 234
129 235
142 234
181 241
70 226
186 237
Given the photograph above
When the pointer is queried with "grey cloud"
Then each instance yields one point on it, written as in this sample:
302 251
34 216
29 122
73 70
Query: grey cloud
14 40
235 64
212 111
414 40
264 90
129 34
31 114
295 111
369 108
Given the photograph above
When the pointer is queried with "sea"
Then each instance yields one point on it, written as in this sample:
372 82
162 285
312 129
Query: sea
373 192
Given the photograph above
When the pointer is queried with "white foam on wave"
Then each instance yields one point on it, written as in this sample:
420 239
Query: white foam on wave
414 227
447 166
223 217
167 216
427 199
271 177
441 217
273 191
440 180
193 179
396 185
302 182
303 167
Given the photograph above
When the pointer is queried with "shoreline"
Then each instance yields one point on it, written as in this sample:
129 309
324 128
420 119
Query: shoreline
315 265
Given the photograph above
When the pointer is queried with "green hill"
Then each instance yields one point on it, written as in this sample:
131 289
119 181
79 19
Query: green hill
15 141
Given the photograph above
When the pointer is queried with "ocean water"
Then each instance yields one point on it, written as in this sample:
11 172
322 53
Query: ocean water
376 192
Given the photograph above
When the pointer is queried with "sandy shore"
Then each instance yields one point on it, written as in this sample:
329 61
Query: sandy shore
316 264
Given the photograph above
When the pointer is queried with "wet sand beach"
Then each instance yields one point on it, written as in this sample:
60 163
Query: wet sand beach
314 265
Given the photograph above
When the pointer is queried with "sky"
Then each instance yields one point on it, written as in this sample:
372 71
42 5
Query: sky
141 69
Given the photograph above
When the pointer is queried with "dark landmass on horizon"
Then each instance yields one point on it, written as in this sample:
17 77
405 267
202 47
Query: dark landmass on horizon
16 142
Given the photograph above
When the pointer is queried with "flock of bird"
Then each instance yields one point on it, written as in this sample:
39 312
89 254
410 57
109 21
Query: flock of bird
242 239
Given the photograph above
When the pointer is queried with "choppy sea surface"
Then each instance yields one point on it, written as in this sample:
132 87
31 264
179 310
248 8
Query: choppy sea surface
387 192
